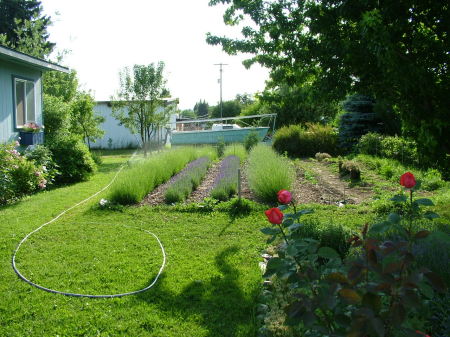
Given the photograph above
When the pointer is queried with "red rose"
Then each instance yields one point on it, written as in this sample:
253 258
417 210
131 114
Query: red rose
284 197
407 180
274 215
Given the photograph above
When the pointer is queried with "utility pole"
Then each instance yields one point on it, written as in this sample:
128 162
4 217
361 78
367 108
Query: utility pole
220 81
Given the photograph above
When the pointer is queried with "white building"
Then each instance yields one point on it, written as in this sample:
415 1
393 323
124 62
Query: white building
118 136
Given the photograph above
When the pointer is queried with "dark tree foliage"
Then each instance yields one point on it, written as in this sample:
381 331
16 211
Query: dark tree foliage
201 109
358 120
397 51
24 27
230 109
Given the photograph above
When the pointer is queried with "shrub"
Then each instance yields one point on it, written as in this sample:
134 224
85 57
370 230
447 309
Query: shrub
250 141
322 156
358 120
305 142
269 173
97 157
220 148
42 157
187 180
351 168
18 176
73 158
370 144
225 184
399 148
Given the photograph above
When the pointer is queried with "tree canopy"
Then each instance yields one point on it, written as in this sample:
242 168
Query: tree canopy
23 27
394 51
142 89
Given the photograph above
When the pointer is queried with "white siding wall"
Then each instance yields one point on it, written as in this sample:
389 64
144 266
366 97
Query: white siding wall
120 136
8 71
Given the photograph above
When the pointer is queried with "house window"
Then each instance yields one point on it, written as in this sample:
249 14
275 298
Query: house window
24 101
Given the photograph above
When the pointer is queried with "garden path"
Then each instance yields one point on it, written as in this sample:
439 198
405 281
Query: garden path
317 183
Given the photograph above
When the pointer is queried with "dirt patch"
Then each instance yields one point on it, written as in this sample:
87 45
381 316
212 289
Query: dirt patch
325 186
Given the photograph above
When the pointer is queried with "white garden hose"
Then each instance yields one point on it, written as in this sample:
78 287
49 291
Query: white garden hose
16 270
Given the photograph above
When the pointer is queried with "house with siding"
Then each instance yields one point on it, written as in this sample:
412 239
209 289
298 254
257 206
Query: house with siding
21 91
117 136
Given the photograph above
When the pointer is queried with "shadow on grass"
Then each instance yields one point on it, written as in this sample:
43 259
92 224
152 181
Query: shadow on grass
220 303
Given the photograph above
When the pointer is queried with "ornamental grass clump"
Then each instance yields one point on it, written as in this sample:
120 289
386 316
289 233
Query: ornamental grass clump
268 173
187 180
143 176
225 184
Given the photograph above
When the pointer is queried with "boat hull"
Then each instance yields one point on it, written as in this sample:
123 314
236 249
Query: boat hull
213 137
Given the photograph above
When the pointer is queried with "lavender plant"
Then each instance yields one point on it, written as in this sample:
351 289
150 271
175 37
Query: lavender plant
187 180
225 184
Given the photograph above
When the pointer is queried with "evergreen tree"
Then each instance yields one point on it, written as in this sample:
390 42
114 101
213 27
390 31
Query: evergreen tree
23 27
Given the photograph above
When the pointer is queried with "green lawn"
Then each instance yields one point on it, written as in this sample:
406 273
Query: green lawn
208 288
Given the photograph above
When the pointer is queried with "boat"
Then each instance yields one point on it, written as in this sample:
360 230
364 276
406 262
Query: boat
193 132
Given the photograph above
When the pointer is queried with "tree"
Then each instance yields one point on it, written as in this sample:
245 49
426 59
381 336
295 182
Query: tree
396 51
24 28
84 120
201 109
141 91
59 84
230 109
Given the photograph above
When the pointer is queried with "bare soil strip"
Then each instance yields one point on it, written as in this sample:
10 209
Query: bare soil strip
330 188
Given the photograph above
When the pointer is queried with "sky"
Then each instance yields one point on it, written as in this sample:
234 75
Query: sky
104 36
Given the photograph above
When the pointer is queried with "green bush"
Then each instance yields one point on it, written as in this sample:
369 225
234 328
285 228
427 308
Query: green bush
42 157
269 173
298 141
351 168
399 148
370 144
250 141
220 148
18 175
73 158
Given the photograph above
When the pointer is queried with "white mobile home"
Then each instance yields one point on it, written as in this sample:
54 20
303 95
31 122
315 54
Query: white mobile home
118 136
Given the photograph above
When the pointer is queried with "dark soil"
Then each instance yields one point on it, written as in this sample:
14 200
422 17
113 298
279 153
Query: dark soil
329 189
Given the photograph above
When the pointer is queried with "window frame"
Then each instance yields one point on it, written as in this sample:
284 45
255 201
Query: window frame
26 81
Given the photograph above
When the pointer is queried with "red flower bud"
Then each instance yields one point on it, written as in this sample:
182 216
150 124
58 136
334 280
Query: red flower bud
284 197
407 180
274 215
421 333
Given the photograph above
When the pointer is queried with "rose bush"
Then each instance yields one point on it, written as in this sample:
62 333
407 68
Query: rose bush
377 292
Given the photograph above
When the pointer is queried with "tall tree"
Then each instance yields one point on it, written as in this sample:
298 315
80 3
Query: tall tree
23 27
141 92
201 109
395 51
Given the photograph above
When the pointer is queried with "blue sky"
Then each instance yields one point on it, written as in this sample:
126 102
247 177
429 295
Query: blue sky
105 36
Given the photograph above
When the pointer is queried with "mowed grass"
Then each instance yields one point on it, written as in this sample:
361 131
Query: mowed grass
208 288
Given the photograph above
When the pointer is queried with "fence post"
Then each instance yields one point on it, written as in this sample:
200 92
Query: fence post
239 183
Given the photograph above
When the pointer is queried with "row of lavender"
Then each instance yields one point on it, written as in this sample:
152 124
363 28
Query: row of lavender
182 184
226 183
